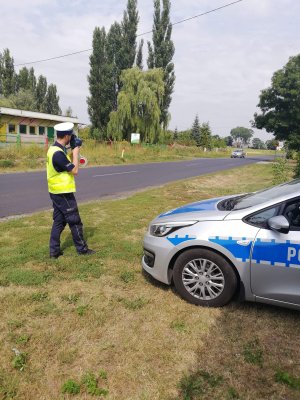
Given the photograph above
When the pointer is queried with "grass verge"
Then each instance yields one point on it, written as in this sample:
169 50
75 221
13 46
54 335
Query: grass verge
33 157
83 327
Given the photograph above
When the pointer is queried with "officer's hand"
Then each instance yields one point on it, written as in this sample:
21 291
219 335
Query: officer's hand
76 151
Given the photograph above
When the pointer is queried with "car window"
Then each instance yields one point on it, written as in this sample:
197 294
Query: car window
260 218
292 214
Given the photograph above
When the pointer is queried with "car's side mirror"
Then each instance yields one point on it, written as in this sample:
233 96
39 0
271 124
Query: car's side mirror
279 224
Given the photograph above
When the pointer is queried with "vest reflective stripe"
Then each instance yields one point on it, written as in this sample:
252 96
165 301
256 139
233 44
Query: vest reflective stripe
58 182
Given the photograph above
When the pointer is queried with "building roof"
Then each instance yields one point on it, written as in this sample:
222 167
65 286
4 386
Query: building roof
36 115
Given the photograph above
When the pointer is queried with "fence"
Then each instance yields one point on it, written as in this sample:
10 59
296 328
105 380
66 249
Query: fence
18 139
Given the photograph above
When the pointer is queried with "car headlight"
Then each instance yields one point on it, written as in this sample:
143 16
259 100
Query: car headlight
163 228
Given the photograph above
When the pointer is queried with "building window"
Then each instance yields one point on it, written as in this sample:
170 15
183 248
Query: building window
41 130
32 130
11 128
23 129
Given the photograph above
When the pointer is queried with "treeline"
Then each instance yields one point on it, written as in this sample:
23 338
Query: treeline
123 97
199 135
23 90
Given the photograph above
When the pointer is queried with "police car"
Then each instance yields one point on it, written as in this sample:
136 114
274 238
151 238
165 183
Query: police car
247 244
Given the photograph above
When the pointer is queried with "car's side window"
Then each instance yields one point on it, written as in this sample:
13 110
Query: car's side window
292 214
260 218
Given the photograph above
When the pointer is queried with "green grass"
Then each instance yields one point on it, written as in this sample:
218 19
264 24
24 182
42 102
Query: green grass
100 313
32 157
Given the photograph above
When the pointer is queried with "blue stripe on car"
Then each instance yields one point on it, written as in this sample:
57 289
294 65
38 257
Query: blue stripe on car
206 205
264 251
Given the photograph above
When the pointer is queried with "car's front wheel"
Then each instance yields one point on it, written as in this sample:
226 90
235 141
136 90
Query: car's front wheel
204 278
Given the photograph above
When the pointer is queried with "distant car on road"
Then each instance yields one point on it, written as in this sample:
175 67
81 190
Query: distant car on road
238 154
247 243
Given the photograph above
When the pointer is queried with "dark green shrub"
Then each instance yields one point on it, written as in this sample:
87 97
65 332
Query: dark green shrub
7 163
70 387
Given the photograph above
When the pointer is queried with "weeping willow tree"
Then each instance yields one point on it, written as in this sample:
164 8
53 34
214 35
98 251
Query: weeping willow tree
139 104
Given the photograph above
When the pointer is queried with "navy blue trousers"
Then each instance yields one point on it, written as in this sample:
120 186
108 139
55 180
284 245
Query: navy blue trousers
65 211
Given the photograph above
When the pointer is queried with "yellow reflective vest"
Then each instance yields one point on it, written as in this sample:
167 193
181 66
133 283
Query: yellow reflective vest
58 182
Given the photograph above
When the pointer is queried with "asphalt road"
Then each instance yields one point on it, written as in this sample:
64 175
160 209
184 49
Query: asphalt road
22 193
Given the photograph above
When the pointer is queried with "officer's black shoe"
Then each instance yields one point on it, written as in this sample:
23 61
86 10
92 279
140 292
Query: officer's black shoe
86 252
57 255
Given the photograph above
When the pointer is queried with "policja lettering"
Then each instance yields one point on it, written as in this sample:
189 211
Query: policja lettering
61 171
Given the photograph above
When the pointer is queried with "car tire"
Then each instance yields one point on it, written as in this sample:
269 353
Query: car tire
204 278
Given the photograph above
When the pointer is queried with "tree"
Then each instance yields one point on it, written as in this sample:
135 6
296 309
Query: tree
241 135
23 100
228 140
129 31
68 112
51 104
23 79
114 60
205 135
161 53
31 80
121 47
8 76
139 55
195 132
175 136
280 105
1 69
100 102
138 105
40 93
272 144
218 142
258 144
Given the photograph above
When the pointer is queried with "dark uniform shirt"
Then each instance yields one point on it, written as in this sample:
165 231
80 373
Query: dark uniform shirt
60 161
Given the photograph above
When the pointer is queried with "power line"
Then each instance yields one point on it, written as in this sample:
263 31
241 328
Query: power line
141 34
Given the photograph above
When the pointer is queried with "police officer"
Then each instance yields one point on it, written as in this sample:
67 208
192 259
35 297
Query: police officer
61 185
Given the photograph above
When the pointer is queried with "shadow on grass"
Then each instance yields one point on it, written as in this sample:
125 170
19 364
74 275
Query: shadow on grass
243 353
154 282
89 232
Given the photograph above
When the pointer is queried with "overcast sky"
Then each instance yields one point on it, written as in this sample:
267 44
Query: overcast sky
222 61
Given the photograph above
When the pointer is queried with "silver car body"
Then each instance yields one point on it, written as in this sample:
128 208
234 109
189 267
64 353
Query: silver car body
267 261
238 154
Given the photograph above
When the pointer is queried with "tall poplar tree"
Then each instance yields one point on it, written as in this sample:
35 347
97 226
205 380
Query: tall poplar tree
8 76
121 45
139 55
129 30
161 52
22 79
32 80
51 104
40 93
100 102
115 54
112 53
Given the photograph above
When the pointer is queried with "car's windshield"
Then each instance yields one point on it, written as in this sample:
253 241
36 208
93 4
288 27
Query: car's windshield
253 199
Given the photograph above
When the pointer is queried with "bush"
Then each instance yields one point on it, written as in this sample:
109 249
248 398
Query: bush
297 168
7 163
280 171
70 387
